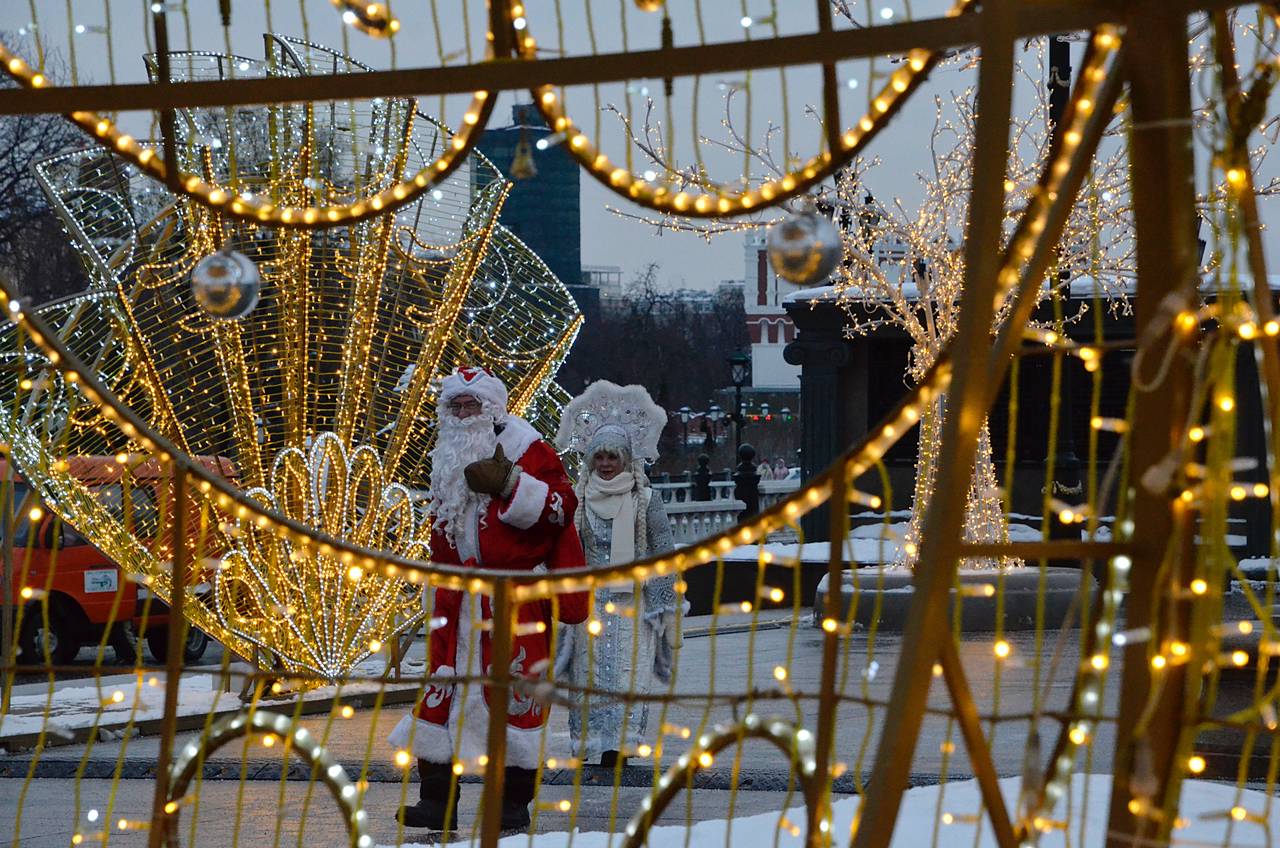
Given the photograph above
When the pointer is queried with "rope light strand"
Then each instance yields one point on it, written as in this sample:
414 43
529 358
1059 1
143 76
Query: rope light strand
251 208
233 503
719 200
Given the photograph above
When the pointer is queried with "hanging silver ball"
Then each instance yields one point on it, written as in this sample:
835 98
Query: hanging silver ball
804 248
226 284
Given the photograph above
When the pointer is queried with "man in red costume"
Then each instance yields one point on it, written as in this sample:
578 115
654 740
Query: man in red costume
500 499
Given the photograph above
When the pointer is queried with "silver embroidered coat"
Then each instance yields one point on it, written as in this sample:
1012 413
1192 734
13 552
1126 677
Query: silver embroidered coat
636 641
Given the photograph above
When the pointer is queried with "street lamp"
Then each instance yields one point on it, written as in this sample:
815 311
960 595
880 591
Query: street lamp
685 414
739 375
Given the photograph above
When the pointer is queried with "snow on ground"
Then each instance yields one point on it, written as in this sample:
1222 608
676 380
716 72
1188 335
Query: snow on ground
1205 808
68 708
868 543
82 704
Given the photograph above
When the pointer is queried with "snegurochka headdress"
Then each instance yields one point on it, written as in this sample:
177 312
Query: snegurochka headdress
606 416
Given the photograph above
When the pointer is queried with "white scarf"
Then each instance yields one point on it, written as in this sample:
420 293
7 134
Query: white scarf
613 499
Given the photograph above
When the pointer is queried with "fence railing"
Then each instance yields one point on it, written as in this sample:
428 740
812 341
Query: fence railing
693 520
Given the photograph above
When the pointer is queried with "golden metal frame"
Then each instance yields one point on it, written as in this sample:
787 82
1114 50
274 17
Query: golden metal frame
1156 73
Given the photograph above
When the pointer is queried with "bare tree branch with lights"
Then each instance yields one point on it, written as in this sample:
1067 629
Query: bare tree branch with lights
904 262
904 267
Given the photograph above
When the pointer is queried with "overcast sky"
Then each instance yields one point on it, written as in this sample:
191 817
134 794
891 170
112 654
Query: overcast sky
607 239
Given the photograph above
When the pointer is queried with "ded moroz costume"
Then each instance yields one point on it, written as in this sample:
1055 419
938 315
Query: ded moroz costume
500 499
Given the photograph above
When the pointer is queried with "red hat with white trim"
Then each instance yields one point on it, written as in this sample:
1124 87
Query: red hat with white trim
478 382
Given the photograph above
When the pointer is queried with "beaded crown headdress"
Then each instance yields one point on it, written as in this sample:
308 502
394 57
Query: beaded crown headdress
613 413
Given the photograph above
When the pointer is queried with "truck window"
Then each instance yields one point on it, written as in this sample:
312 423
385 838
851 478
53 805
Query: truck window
22 524
142 514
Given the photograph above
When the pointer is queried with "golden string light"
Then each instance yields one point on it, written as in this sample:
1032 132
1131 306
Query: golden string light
321 398
1017 268
370 18
250 207
247 516
719 200
1206 498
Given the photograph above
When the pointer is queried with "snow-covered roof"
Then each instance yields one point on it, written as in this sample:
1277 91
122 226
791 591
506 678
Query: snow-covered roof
1082 286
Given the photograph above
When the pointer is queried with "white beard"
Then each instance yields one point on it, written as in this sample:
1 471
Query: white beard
460 442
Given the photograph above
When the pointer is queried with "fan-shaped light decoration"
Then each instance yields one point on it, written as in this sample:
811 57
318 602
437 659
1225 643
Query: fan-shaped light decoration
266 589
319 401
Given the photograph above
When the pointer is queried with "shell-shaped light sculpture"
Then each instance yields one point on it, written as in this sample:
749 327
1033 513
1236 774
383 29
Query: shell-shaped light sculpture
320 402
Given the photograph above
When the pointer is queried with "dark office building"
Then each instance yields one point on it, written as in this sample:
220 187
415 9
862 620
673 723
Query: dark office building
543 210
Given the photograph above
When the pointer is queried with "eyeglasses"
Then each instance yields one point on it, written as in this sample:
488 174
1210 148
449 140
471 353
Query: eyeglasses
472 406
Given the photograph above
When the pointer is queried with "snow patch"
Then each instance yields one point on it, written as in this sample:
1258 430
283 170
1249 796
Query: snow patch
1205 807
868 543
65 709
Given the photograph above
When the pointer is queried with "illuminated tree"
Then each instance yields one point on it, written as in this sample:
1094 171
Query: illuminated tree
904 267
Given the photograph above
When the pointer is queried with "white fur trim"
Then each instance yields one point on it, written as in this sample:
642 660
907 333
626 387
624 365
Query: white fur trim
476 382
434 742
426 741
516 436
527 502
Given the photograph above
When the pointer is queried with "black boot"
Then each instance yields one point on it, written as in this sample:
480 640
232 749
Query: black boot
609 759
516 797
433 797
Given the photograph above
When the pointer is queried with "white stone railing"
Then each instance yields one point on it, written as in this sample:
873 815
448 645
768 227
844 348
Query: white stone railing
694 520
683 491
771 491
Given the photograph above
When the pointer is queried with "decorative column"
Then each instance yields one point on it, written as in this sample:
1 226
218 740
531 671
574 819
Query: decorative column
832 393
746 482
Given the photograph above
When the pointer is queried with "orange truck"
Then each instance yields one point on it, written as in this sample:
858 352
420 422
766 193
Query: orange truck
88 594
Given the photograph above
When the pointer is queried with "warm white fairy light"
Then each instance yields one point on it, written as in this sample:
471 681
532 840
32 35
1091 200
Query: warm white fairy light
269 578
906 268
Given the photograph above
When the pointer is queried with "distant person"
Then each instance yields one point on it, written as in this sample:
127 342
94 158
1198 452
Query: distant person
708 438
620 519
780 469
765 471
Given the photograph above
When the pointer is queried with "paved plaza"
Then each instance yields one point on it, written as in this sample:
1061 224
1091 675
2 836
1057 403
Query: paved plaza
734 661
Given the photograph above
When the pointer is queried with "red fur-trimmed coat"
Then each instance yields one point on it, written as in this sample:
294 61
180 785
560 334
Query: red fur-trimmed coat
532 527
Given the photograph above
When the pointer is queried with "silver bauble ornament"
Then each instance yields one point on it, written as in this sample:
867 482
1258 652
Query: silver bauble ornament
804 248
226 284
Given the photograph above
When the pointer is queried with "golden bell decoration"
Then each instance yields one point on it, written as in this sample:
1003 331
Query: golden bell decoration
522 167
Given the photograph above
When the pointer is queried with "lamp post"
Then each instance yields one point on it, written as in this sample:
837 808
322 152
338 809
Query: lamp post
685 414
1066 464
739 375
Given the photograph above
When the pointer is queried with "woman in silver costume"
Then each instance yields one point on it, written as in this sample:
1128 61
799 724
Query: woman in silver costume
620 519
